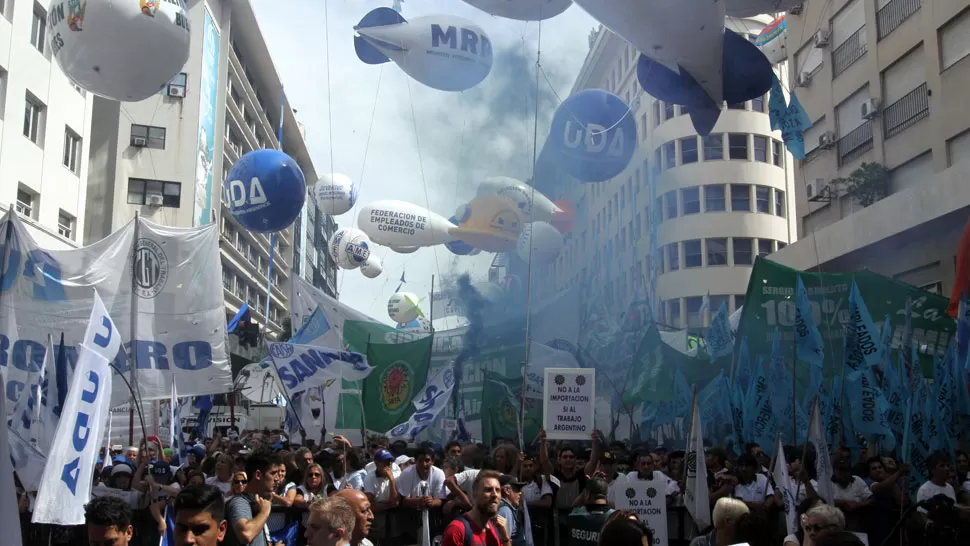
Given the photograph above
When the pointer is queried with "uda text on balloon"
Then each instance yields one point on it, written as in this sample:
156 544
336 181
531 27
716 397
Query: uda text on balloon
265 191
593 135
91 40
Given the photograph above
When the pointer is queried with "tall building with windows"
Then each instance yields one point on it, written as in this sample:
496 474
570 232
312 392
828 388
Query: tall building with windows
166 157
721 200
884 83
44 146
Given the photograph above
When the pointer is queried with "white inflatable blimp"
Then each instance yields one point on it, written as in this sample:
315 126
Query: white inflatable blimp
522 10
540 242
441 51
121 50
773 40
334 193
349 248
403 226
533 205
405 249
403 307
372 268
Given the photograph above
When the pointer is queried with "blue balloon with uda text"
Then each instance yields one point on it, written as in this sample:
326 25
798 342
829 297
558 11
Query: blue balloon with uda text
593 135
265 190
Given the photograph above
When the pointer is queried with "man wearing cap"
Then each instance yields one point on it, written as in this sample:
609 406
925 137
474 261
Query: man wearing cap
381 490
607 467
510 508
585 522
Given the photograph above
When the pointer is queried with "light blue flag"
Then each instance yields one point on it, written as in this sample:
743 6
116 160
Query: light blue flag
943 382
834 424
793 126
915 448
758 410
742 377
782 395
777 106
869 408
719 342
862 340
737 417
807 337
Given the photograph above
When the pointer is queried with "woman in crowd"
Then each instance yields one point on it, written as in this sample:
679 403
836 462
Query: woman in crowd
726 516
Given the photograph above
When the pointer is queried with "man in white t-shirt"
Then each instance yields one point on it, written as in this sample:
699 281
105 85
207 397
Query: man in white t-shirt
939 467
381 490
223 477
537 493
753 487
422 487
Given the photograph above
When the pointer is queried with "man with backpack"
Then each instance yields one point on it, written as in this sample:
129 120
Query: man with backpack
482 526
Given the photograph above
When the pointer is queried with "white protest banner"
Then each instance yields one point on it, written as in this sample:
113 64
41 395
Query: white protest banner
66 483
427 405
28 462
447 303
174 278
301 367
9 507
648 499
568 401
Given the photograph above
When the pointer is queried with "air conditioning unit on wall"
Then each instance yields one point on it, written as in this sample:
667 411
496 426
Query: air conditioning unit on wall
822 37
870 108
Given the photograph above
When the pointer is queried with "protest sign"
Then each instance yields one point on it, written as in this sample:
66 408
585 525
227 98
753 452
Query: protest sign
568 401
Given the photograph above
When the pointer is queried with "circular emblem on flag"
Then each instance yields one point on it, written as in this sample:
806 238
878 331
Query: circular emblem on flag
449 378
691 463
281 350
560 380
396 385
630 493
149 269
400 430
509 413
580 380
651 492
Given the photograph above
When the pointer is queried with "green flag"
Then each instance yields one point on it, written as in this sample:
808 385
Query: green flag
400 371
500 410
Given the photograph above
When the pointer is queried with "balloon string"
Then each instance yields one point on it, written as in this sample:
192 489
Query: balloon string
326 38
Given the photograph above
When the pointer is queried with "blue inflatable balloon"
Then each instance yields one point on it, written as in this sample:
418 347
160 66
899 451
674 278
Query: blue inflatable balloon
461 248
265 190
593 135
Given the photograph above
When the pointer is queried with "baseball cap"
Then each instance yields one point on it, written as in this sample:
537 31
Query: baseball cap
120 469
607 457
403 459
161 469
383 456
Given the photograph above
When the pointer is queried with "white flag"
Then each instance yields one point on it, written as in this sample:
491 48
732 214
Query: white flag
780 473
696 497
301 367
9 510
823 460
66 483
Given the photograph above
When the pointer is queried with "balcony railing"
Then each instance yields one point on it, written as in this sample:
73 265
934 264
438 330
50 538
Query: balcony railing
850 51
905 112
894 14
857 142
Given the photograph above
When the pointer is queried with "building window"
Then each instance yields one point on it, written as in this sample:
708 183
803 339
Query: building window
762 199
33 119
738 301
764 247
674 316
695 318
668 111
714 198
692 200
72 150
656 113
670 204
688 150
738 146
660 210
736 106
743 251
758 104
154 192
146 136
38 28
658 160
25 203
65 225
740 197
693 257
670 155
673 257
780 245
717 251
955 40
776 154
761 148
780 203
179 82
714 146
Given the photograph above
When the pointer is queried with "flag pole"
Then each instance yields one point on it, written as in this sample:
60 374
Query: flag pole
794 381
133 332
360 400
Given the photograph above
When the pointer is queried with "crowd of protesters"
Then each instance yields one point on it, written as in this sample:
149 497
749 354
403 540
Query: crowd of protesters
273 492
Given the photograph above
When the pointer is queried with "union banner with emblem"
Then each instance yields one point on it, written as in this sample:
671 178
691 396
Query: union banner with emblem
399 371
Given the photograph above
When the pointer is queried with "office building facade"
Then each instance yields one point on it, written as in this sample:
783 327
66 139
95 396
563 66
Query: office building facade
166 157
46 123
720 201
884 84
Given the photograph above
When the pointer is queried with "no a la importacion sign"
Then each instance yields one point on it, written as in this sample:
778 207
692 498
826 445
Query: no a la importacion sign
569 396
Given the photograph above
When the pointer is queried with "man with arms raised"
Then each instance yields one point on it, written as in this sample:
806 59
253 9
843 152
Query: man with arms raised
363 513
200 516
482 524
331 523
109 522
247 513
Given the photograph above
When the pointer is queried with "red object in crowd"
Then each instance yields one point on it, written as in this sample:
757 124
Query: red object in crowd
962 281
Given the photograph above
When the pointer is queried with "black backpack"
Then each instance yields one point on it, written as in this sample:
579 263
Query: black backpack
468 528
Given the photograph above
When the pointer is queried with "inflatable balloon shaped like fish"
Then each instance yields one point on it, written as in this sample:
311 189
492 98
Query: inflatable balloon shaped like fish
522 10
441 51
533 205
459 248
687 55
403 226
489 222
372 268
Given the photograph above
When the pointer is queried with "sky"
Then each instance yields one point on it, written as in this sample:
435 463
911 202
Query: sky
401 140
